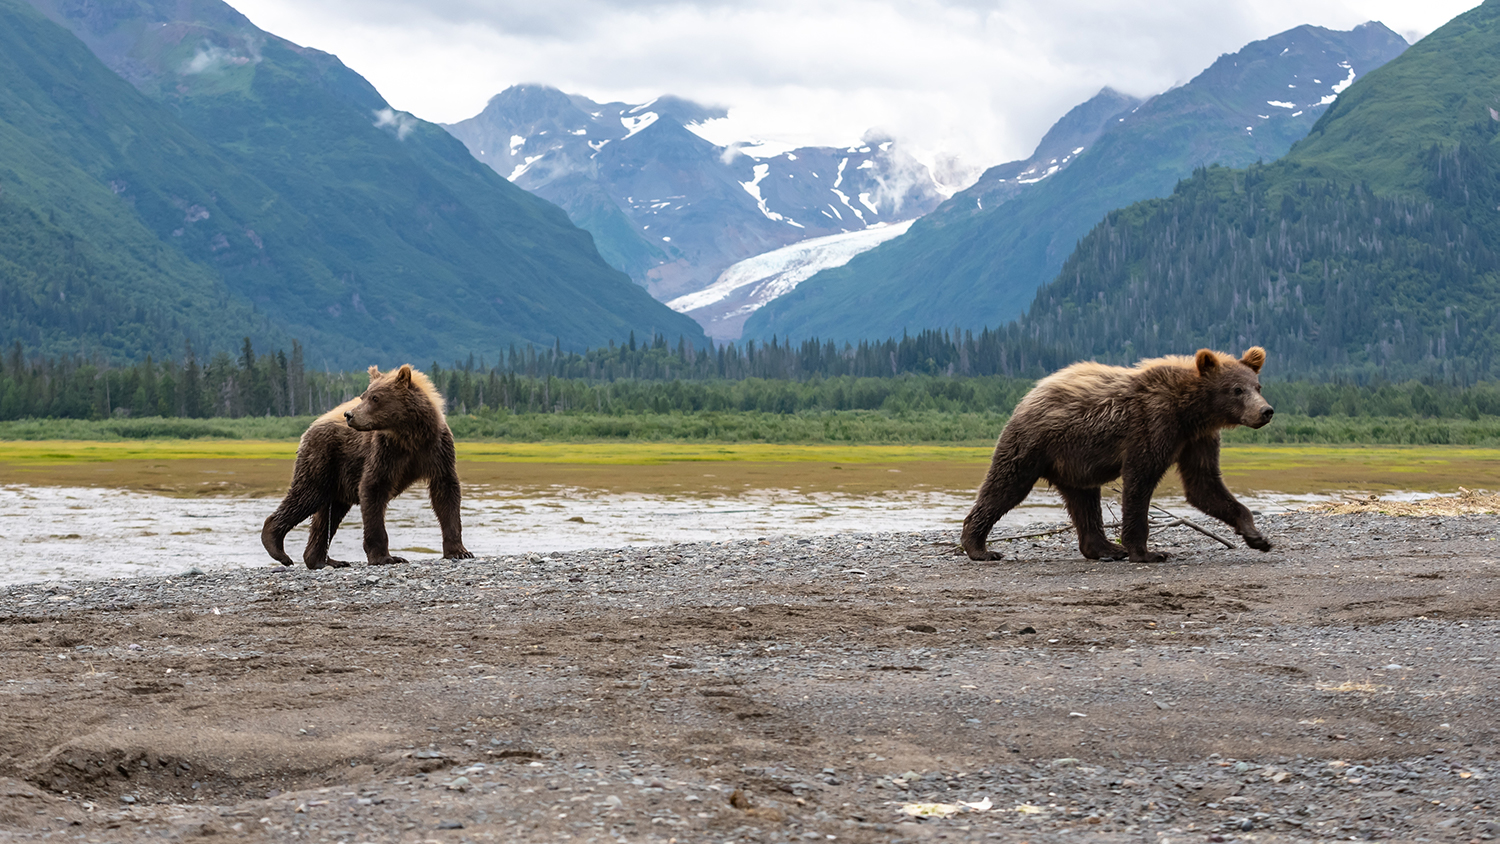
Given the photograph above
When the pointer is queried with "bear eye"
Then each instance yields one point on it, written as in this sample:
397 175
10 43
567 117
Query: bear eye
1239 391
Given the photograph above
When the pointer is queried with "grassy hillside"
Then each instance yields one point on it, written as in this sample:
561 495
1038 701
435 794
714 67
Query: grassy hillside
90 171
1372 248
974 267
285 176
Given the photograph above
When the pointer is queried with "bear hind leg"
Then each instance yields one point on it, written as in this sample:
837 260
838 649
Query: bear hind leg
1007 485
1086 511
294 510
325 523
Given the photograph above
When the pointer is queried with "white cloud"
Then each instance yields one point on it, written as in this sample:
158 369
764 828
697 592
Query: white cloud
211 57
980 78
400 122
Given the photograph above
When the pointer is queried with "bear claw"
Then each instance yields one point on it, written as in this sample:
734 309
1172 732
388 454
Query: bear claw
388 561
985 556
1259 543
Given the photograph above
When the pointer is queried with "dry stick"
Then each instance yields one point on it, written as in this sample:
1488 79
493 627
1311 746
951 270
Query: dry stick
1052 532
1178 520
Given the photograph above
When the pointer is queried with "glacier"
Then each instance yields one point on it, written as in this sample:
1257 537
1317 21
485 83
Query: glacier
740 290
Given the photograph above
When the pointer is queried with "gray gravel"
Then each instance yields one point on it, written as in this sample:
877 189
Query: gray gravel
770 689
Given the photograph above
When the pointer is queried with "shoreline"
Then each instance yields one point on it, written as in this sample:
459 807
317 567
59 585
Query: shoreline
765 689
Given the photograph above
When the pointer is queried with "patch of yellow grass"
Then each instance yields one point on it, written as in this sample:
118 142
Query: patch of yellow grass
1466 503
63 452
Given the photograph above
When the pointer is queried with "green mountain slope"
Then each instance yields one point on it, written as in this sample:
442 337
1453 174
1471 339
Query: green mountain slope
975 266
368 233
1371 249
86 166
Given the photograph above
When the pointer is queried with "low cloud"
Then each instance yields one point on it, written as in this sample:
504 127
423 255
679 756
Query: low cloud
982 79
401 122
211 58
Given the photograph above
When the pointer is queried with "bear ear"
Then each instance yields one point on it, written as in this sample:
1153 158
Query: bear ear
1255 358
403 375
374 372
1207 360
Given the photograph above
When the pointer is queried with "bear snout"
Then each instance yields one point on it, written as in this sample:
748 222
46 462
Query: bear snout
1261 418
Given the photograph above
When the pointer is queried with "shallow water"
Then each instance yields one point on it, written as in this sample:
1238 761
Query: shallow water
67 533
71 533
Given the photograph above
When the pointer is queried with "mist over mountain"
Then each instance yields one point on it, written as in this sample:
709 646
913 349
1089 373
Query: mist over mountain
675 209
299 192
980 258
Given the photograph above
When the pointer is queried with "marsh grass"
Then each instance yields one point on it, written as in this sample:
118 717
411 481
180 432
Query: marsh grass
850 427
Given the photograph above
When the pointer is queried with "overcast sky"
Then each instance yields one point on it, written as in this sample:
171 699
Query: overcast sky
979 78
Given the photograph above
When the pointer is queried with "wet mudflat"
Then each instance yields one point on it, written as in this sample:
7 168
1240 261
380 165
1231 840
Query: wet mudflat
781 689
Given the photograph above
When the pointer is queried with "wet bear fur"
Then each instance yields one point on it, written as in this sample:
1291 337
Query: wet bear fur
1089 424
367 451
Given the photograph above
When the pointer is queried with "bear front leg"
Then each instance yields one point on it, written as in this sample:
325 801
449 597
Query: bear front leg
445 495
1006 485
1088 520
373 499
1203 483
1137 483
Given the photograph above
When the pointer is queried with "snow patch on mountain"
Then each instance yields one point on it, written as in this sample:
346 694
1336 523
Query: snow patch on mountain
752 187
634 124
1339 87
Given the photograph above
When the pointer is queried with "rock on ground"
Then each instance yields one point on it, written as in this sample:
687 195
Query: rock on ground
766 690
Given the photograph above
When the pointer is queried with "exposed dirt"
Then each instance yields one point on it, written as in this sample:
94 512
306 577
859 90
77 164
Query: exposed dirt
1343 685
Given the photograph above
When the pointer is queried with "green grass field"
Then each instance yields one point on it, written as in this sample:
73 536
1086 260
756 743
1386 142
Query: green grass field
840 427
261 467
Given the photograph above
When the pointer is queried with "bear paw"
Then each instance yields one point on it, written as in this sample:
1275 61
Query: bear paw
1108 551
1258 542
388 561
327 563
460 554
1148 557
984 556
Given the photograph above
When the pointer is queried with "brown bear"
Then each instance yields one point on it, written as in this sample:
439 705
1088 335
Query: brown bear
1089 424
367 451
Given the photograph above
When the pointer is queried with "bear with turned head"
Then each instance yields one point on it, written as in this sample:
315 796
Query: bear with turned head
367 451
1089 424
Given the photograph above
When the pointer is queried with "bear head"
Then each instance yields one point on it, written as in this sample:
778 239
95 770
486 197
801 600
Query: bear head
1232 387
400 400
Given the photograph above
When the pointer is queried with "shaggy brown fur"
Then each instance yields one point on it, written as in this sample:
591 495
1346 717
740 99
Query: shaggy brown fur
1089 424
367 451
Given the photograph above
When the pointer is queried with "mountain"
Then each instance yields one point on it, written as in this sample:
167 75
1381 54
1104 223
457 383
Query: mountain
675 209
368 233
1371 250
1068 138
95 181
977 262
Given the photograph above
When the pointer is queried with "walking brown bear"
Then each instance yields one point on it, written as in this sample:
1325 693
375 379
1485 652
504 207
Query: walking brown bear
367 451
1089 424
